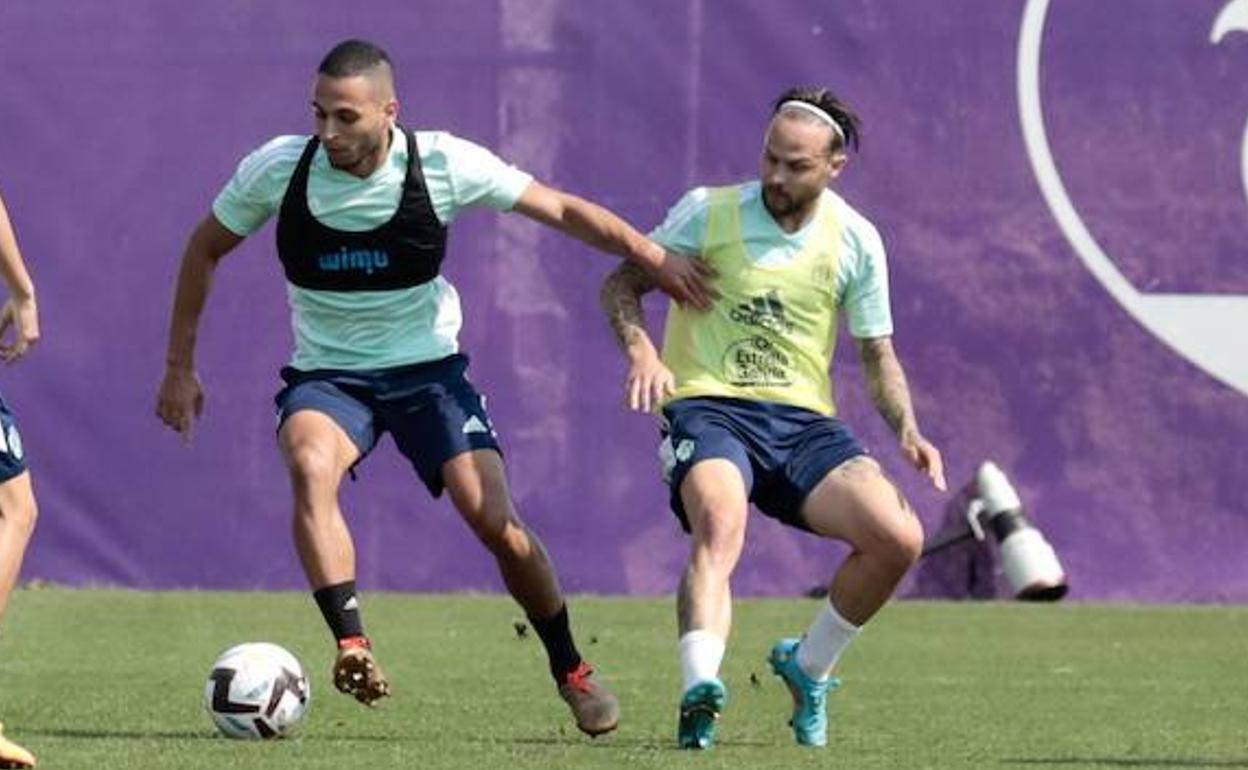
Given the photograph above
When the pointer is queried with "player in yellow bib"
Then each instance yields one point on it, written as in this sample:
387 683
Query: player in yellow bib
748 407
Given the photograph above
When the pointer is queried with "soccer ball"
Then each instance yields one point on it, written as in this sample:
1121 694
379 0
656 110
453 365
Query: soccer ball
256 691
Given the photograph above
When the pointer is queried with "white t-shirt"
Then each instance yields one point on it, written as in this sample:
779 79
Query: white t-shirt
370 329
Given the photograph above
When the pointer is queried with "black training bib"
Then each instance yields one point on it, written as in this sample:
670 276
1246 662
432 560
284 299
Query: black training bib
403 252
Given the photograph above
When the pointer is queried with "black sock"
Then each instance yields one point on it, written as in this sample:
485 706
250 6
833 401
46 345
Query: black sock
341 609
556 636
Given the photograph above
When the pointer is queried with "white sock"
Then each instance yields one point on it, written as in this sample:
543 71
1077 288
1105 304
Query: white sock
828 636
701 652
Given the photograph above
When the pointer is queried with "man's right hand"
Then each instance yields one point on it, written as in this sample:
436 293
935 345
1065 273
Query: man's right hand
649 381
20 314
180 400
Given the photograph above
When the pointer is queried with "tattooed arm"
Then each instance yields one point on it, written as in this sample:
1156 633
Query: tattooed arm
887 383
648 381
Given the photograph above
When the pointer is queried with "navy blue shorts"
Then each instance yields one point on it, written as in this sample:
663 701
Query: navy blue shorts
12 456
431 409
782 451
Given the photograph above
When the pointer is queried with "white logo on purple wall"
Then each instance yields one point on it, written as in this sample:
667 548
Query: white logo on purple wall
1234 18
1206 329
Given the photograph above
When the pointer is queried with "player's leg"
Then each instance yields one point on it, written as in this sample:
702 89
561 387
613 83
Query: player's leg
714 500
17 522
857 503
478 487
318 454
323 432
854 502
18 512
477 483
710 473
439 423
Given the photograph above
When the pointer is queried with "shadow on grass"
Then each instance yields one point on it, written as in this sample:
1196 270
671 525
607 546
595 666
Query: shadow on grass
200 735
192 735
616 741
1127 762
606 742
126 735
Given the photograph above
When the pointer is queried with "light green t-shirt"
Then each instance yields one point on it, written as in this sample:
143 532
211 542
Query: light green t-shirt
370 329
862 277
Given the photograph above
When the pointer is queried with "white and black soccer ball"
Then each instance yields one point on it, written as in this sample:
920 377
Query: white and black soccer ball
257 691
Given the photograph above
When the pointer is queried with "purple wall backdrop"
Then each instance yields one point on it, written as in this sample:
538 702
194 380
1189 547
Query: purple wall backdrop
122 119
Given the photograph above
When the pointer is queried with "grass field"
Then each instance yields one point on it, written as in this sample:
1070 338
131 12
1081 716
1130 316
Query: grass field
113 679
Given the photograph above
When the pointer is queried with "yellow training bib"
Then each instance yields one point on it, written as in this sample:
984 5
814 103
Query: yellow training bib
771 334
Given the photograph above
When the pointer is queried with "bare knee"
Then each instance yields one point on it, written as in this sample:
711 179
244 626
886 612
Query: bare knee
20 514
478 488
17 504
487 519
900 543
496 525
721 545
484 502
313 460
313 467
858 503
718 538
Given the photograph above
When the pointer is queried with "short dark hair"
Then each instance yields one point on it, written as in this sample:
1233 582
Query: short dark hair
354 57
850 123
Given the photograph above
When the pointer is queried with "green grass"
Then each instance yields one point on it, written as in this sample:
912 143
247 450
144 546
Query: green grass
113 679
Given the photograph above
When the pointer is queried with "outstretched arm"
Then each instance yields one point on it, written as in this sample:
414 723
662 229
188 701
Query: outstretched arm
19 311
648 381
181 397
682 278
886 381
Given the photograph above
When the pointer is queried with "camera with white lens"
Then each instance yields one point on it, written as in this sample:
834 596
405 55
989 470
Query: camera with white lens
1030 563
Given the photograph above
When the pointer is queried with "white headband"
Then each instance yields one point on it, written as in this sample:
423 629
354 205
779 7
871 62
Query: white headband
815 110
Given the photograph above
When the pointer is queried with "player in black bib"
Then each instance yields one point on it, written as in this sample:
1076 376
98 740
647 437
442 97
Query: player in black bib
369 360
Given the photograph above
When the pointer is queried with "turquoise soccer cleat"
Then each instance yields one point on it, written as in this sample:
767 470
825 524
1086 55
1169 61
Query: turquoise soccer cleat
810 697
699 713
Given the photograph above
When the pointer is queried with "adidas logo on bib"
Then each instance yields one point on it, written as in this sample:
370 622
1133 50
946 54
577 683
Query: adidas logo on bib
475 425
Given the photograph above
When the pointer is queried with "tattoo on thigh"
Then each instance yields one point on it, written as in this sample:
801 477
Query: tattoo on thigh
903 505
857 467
863 466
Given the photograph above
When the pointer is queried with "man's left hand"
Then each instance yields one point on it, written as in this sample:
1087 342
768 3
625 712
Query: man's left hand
923 455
